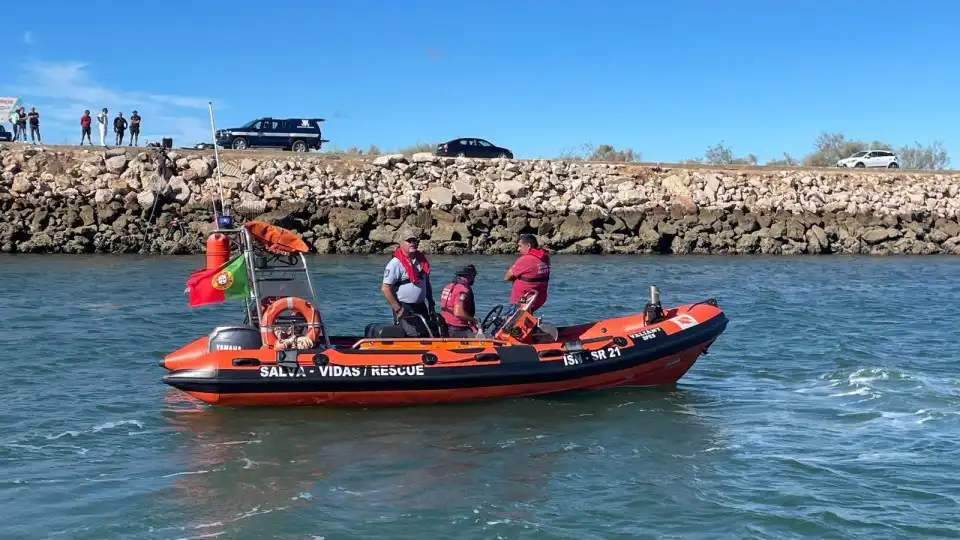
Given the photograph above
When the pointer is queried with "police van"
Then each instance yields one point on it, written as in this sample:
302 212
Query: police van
296 134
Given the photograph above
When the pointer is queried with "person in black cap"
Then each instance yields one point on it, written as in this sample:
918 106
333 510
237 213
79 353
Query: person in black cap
457 306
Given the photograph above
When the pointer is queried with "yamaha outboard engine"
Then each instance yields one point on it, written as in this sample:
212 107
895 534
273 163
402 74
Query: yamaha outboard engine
234 338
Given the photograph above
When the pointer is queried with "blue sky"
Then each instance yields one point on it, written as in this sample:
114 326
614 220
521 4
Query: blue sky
667 78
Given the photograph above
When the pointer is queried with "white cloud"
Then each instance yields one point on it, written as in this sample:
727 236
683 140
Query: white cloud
61 91
28 37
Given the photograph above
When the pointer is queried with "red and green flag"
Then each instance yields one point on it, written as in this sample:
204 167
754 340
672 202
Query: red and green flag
219 284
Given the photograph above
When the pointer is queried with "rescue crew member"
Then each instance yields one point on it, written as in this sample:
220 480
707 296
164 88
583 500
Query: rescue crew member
406 285
457 306
530 272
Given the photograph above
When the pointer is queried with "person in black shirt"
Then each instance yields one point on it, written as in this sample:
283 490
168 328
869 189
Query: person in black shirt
22 124
119 126
34 117
134 129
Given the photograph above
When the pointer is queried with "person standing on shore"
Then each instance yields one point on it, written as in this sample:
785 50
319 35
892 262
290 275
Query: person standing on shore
134 129
13 122
119 126
22 123
34 117
530 272
102 119
85 121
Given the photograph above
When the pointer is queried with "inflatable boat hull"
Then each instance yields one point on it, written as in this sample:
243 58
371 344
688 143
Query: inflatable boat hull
605 354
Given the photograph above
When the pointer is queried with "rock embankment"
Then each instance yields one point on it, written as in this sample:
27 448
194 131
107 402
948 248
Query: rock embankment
116 201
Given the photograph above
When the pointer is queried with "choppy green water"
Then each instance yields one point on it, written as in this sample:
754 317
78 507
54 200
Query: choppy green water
829 409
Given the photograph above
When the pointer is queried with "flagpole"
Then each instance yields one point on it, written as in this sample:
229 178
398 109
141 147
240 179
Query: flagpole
216 156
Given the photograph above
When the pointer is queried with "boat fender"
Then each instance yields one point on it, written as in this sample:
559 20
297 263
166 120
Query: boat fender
486 357
218 250
429 359
320 360
620 341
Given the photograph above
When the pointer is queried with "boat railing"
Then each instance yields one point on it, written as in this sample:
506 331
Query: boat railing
258 264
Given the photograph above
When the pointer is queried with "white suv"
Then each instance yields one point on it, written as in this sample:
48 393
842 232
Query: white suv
871 158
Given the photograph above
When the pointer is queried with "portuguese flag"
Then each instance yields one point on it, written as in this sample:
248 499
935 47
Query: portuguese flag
212 286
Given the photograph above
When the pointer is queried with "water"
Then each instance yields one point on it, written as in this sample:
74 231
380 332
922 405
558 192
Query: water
829 409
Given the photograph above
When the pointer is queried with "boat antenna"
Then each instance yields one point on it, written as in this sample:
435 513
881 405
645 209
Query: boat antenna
216 157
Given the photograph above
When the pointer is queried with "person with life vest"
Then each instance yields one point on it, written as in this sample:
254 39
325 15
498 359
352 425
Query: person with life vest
406 285
530 272
457 306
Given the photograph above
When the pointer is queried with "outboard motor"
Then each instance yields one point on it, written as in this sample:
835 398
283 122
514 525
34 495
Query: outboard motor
653 312
234 338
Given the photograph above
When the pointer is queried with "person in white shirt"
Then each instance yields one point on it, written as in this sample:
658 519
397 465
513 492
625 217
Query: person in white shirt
102 119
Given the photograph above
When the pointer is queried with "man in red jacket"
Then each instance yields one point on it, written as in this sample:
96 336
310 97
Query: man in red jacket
530 272
85 127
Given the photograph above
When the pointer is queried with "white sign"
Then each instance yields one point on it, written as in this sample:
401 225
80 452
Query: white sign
7 106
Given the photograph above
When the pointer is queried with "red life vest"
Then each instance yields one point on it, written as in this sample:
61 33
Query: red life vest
455 292
536 280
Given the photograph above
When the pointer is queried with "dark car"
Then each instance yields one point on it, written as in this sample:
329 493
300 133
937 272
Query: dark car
297 134
476 148
5 135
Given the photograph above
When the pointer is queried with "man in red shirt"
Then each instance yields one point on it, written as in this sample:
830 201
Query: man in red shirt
531 272
85 127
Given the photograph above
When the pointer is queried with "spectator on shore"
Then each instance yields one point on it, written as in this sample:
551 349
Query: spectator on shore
102 118
13 122
134 129
85 121
22 123
119 126
34 125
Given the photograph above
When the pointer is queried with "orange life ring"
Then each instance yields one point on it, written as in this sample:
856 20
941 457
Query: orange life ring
290 303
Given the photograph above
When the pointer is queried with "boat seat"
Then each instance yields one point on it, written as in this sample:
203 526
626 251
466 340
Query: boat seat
377 330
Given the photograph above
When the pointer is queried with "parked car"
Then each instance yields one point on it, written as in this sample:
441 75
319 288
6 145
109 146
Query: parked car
871 158
5 136
477 148
297 134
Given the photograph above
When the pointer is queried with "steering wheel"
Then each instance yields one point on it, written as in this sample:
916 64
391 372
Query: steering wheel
492 320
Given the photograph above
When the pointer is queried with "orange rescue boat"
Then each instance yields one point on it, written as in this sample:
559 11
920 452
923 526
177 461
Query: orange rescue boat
273 359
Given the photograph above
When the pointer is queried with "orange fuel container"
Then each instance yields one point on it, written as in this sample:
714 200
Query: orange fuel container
218 250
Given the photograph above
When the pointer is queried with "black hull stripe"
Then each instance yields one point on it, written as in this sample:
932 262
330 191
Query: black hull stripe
244 381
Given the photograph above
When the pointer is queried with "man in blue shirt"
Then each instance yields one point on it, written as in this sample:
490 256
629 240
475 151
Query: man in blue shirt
406 285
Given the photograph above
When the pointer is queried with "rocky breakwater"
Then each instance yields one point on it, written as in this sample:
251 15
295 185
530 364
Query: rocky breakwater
80 201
